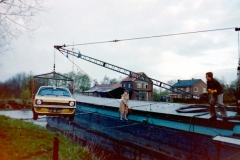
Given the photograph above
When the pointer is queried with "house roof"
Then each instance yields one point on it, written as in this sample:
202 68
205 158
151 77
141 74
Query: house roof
132 78
186 83
116 85
104 88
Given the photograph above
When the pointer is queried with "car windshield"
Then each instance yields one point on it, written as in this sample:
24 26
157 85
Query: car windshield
54 92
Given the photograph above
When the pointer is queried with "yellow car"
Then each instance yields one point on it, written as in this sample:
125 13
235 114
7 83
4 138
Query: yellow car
54 101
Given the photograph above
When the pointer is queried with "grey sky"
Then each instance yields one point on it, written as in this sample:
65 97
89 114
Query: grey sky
167 58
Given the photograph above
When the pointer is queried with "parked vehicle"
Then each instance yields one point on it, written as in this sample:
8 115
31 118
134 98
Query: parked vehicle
54 101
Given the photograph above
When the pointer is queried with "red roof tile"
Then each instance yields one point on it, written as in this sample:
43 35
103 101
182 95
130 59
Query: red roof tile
132 79
109 85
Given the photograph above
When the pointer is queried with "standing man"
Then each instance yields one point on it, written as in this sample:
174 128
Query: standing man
215 89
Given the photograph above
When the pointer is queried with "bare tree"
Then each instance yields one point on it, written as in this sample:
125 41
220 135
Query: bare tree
16 15
172 82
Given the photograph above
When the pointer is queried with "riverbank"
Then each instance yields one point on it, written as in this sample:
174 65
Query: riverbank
25 140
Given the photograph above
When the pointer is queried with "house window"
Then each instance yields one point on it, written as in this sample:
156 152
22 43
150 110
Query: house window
139 85
204 90
195 89
129 85
187 89
142 95
145 85
124 85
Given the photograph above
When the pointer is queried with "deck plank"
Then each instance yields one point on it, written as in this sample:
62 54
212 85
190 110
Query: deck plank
148 106
227 140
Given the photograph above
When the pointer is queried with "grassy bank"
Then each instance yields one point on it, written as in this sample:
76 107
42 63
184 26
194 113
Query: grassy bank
25 140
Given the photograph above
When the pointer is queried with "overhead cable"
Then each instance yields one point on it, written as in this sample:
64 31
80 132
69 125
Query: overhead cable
148 37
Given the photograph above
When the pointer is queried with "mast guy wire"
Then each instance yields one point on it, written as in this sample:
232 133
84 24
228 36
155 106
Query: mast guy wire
148 37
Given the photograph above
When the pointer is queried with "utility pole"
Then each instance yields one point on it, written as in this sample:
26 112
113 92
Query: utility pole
238 75
55 148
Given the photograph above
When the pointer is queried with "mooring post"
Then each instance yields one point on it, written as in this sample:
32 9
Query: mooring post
55 148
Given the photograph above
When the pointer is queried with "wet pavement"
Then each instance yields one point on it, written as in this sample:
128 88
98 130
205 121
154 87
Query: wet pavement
25 115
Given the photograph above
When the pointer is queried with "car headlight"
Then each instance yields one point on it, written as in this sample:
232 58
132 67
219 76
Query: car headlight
71 103
38 101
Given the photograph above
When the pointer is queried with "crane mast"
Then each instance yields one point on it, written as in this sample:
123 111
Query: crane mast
126 72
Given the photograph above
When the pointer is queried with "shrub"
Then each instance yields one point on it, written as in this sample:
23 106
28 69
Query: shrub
25 96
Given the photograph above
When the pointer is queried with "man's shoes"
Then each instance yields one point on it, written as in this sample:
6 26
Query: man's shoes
213 118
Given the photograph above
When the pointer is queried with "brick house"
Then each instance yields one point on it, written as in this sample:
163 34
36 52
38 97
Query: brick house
105 90
138 89
193 86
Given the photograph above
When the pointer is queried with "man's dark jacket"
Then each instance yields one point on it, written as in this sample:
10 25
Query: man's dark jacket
214 84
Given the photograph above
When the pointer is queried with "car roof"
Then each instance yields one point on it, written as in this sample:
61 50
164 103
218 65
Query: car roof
53 87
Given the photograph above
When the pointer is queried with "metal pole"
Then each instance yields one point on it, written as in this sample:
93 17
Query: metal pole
32 90
55 148
73 59
238 76
54 57
73 87
238 81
